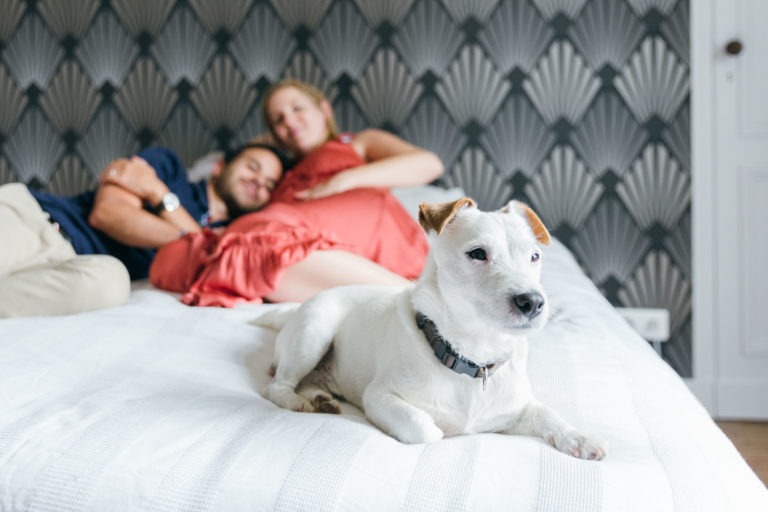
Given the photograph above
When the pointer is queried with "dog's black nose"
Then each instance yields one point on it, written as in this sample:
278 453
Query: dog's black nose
529 304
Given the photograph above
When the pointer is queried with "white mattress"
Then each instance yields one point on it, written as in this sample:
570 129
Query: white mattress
155 405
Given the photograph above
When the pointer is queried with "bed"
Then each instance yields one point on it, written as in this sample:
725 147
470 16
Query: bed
156 406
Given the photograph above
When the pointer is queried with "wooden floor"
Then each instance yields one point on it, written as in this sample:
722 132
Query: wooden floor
751 439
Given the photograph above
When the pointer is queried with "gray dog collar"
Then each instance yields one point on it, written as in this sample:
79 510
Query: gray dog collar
449 357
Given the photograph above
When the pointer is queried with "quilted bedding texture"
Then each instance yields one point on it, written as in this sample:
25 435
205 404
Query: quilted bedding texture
157 406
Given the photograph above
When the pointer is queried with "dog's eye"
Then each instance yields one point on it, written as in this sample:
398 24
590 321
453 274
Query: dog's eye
478 254
535 257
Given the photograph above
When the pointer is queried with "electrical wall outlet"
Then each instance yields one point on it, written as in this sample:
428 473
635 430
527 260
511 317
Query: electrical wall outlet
651 323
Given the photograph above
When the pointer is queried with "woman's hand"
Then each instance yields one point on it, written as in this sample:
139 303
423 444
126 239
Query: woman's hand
390 162
336 185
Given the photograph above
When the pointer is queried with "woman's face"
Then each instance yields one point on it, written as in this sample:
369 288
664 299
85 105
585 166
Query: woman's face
298 121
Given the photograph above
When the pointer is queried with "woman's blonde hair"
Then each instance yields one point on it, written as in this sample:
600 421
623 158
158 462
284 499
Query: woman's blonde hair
311 91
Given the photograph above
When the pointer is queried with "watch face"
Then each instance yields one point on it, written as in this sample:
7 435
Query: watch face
170 201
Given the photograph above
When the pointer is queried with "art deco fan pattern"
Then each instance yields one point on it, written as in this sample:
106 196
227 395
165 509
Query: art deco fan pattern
580 108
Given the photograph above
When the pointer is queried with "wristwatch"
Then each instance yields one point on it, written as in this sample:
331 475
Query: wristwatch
168 203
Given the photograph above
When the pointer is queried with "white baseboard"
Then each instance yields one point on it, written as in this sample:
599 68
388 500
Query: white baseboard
746 400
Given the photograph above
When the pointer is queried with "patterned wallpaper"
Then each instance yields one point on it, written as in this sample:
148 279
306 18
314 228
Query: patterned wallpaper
579 107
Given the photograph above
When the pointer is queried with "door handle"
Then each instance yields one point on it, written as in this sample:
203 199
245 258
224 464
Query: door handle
733 47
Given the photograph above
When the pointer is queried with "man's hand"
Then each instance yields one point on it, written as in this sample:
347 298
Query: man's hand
117 164
136 176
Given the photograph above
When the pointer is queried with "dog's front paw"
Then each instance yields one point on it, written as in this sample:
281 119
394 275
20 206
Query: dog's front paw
417 434
579 445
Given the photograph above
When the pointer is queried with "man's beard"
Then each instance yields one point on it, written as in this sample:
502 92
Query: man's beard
224 191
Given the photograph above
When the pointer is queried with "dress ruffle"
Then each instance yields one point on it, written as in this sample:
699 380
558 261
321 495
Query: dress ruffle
248 266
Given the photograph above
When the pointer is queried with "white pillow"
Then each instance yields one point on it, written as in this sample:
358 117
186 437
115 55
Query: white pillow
412 197
203 166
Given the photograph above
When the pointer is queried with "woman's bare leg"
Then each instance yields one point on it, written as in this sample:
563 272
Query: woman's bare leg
325 269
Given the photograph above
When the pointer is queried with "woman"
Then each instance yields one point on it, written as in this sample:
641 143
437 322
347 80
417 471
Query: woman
332 220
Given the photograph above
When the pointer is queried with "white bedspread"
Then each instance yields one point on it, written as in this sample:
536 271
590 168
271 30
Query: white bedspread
155 405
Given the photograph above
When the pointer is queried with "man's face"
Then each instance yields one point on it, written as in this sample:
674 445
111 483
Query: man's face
246 184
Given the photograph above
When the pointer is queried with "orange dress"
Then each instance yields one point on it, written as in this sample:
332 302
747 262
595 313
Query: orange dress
247 261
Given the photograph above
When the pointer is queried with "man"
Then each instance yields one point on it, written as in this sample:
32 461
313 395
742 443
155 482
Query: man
142 203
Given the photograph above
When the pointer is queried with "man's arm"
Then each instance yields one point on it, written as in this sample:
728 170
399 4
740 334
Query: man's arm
118 208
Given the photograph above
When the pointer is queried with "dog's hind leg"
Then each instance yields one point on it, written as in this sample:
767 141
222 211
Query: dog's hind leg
318 387
321 400
300 347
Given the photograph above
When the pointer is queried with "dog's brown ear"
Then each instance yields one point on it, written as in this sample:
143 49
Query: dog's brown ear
541 233
435 216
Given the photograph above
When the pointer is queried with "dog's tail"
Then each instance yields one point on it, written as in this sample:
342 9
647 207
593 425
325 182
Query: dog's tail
275 317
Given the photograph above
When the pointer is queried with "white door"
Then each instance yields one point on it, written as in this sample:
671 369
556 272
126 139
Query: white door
741 209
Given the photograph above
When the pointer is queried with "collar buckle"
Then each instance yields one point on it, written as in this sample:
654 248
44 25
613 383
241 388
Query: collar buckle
449 357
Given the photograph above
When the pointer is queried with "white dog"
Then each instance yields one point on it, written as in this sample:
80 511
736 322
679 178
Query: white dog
446 356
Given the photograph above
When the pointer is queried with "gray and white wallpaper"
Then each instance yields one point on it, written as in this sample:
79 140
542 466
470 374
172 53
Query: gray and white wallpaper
579 107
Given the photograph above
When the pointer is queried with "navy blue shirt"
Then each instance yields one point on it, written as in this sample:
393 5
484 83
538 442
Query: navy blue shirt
71 213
